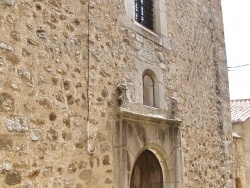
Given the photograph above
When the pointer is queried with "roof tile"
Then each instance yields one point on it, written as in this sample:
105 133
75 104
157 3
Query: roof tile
240 110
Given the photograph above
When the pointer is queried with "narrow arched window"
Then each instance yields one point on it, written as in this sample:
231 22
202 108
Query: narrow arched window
144 13
148 91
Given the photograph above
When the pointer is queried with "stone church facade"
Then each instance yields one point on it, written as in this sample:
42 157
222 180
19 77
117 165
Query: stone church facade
117 93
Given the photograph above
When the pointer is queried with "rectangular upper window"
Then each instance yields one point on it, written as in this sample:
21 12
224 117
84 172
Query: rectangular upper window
144 13
149 19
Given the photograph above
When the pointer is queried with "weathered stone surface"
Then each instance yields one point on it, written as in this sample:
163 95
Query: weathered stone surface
48 171
66 136
6 142
40 79
72 168
85 175
6 47
81 135
24 74
160 56
27 107
52 116
79 185
68 183
60 97
34 173
139 38
12 178
60 65
22 164
55 80
13 58
25 52
70 99
163 66
17 123
46 102
6 102
42 147
108 181
6 165
136 45
15 35
105 92
106 160
52 135
41 33
37 121
105 147
35 134
96 55
66 85
32 42
76 122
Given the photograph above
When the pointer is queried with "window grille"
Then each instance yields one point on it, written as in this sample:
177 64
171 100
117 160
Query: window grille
144 13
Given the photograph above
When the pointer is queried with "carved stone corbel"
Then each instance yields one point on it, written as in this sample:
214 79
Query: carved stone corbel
174 107
122 95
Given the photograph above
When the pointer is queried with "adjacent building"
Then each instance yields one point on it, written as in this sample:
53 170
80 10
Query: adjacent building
240 114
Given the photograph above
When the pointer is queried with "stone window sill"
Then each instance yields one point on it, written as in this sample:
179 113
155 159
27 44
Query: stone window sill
151 35
148 118
147 114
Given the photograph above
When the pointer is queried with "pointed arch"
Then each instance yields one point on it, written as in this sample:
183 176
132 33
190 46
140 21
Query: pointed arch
147 172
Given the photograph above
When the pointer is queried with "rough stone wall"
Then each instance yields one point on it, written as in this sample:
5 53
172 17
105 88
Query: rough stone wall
46 61
43 97
200 86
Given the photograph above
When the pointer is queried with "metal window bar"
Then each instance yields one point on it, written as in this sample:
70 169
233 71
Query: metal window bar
144 13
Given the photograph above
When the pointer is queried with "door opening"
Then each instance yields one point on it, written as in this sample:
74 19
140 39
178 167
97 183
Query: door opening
147 172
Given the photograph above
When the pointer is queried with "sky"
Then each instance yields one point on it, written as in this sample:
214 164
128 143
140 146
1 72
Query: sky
236 18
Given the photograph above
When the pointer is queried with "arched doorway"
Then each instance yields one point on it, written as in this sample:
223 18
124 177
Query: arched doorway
238 182
147 172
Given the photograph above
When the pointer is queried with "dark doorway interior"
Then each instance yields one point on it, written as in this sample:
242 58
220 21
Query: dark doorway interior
147 172
238 183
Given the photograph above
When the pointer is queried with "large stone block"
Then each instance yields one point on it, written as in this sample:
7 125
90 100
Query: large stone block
85 175
12 178
4 45
17 123
46 102
35 134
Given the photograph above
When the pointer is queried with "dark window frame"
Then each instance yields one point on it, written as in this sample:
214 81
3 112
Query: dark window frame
144 13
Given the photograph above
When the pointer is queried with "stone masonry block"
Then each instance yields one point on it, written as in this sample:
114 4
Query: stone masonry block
35 134
4 45
6 102
5 142
19 124
13 178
